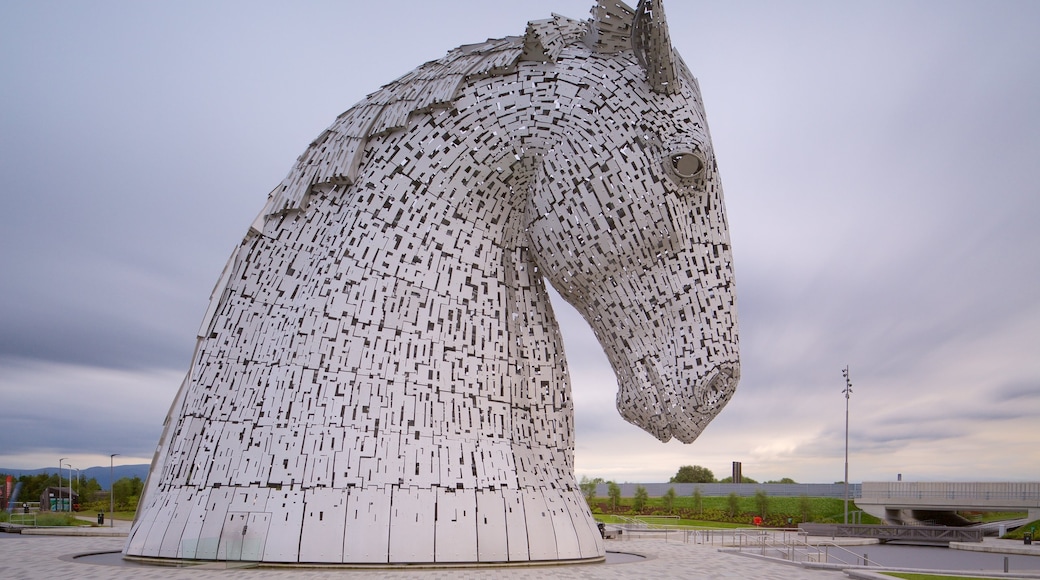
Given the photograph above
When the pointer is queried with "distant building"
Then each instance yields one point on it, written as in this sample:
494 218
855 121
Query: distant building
56 499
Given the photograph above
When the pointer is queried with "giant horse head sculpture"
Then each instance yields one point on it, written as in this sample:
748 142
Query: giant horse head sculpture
379 378
651 268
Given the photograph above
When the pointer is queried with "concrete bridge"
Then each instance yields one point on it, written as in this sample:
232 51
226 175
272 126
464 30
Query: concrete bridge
904 534
915 502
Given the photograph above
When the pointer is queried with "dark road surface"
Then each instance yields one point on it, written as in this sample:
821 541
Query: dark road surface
942 558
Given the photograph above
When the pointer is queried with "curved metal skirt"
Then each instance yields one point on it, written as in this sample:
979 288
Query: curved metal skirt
353 566
387 526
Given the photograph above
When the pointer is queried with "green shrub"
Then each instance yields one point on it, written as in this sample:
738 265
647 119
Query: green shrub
669 500
614 492
762 503
639 501
732 504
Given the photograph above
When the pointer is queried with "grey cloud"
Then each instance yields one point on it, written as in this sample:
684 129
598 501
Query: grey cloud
882 199
1020 392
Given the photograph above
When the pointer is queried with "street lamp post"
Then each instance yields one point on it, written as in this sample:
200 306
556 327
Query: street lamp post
60 463
70 484
111 492
847 392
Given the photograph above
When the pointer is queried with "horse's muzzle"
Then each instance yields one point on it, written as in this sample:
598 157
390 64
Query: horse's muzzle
677 404
709 396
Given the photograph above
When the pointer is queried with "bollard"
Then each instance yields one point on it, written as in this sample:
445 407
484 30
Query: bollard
1005 564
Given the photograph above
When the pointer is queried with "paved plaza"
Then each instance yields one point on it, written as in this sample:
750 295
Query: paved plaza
39 554
25 557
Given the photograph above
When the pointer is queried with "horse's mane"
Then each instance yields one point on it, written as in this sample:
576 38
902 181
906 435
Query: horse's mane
334 157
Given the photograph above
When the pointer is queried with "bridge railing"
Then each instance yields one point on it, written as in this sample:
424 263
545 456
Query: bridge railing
1024 493
918 533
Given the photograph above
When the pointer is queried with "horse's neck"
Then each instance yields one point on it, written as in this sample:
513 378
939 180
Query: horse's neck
451 265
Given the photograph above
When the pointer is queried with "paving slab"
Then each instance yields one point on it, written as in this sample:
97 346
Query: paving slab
32 557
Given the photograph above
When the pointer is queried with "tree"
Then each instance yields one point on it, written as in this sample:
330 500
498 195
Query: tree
733 504
588 488
693 474
743 479
698 500
805 508
669 499
87 489
33 485
784 480
639 501
614 492
127 492
762 502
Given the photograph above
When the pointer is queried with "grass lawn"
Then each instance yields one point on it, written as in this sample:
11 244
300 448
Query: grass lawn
59 519
609 519
1018 533
711 510
128 516
48 519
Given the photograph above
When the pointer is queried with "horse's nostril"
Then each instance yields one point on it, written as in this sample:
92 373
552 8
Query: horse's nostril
718 388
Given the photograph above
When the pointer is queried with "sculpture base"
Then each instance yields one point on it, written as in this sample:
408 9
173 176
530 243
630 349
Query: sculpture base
381 527
169 562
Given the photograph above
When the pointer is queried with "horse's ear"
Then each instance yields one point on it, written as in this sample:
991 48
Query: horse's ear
610 30
653 47
544 41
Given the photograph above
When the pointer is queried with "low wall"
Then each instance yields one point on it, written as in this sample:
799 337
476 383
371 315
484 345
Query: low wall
836 490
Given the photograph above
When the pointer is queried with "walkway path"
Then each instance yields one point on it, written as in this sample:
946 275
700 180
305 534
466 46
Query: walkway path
43 554
29 557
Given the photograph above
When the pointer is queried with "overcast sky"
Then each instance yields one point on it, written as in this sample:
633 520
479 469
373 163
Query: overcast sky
879 162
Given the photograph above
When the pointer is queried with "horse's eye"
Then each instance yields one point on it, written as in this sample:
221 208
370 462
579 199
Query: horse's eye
687 164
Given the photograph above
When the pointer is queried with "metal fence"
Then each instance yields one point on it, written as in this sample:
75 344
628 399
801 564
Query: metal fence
835 490
784 544
1026 492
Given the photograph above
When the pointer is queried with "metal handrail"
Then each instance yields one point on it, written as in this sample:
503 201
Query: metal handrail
632 522
640 522
786 542
22 519
699 535
787 550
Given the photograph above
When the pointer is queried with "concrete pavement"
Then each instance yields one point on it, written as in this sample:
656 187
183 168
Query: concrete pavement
28 557
52 553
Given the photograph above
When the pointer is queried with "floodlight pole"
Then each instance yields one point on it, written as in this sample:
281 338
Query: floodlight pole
111 492
847 392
